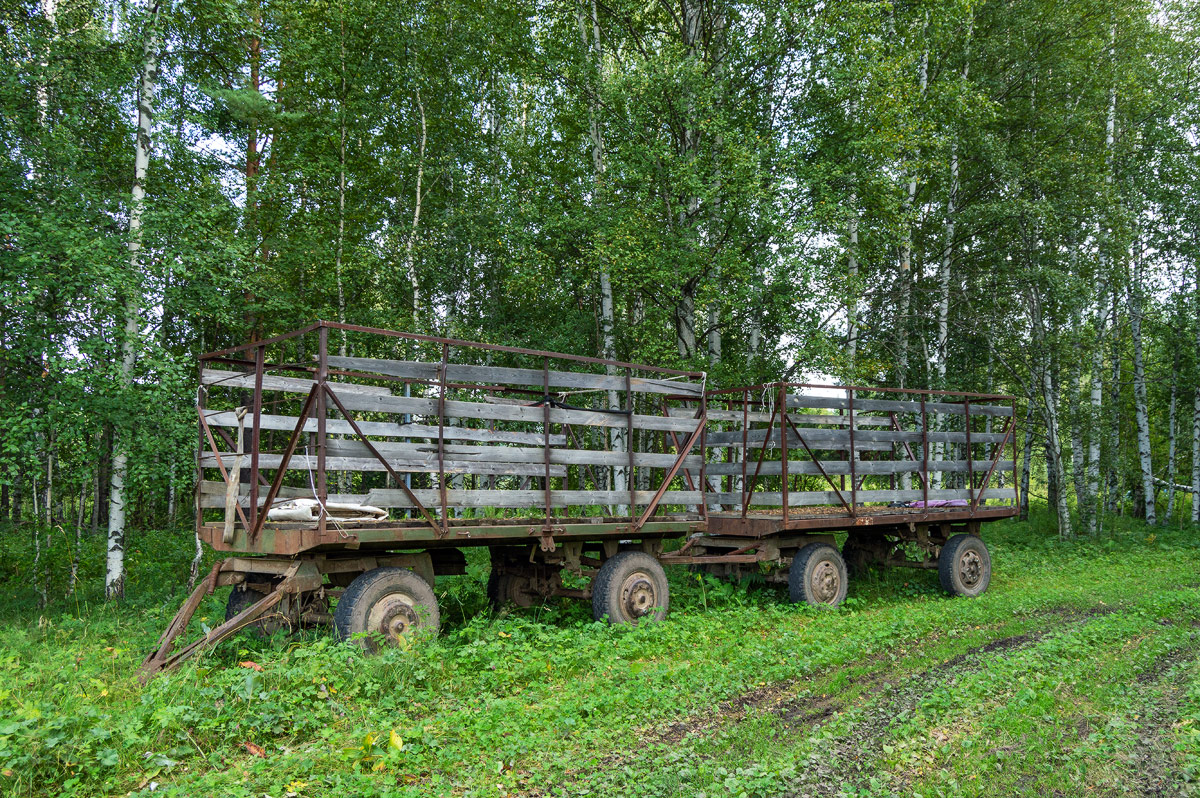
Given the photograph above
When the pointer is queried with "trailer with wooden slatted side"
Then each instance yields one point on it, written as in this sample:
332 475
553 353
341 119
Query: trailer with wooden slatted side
343 486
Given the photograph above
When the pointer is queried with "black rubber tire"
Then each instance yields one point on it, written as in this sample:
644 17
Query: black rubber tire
965 566
502 591
629 588
393 602
241 599
856 556
818 576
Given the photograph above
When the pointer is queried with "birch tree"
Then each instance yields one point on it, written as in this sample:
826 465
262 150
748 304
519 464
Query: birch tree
1141 408
589 32
114 577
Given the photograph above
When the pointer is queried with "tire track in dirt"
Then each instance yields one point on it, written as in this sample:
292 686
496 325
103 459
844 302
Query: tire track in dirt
1154 761
804 714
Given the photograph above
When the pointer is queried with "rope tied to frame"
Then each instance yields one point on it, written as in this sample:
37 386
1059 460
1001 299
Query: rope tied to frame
555 402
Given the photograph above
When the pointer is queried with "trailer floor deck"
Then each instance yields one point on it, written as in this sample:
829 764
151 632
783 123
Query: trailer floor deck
764 522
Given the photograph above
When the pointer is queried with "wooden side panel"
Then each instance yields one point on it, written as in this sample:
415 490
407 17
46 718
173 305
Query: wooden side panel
498 375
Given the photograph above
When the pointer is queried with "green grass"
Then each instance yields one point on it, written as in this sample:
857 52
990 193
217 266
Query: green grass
1078 671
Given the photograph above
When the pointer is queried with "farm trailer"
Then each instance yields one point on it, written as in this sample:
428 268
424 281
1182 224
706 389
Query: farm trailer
342 487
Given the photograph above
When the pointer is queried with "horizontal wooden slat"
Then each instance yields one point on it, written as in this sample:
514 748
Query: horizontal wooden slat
337 426
415 405
503 375
895 406
416 464
232 379
512 454
813 498
736 417
819 438
861 468
391 497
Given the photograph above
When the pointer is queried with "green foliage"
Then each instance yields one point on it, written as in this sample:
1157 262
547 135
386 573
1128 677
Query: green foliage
524 700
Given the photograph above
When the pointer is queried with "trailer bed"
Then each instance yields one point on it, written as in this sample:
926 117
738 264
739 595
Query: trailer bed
557 463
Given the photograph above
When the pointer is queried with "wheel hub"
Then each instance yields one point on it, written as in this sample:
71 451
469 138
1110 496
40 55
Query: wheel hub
970 568
825 582
393 616
638 597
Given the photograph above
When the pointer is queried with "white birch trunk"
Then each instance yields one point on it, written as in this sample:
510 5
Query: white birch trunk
1112 477
852 273
1139 394
410 263
1196 417
941 349
114 575
1090 507
590 36
1171 424
905 300
341 233
1054 449
1196 452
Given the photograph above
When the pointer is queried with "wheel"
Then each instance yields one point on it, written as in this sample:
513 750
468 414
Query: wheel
392 602
964 566
630 587
818 576
858 556
505 588
342 578
242 598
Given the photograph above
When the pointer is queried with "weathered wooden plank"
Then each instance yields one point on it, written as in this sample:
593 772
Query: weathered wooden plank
419 464
815 498
895 406
390 429
234 379
503 375
390 497
532 415
819 438
861 467
735 416
512 454
416 405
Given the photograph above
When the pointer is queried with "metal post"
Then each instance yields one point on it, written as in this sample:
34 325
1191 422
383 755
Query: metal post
970 456
546 440
442 438
853 477
704 456
745 443
322 377
259 368
783 449
631 483
924 455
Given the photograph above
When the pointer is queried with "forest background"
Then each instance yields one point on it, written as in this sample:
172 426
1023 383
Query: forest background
987 195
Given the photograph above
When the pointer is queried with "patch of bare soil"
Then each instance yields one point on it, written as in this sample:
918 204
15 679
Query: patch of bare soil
1153 759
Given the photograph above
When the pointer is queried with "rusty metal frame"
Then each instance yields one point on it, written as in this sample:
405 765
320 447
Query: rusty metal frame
276 483
747 493
670 475
999 452
907 449
375 452
212 442
441 450
817 462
